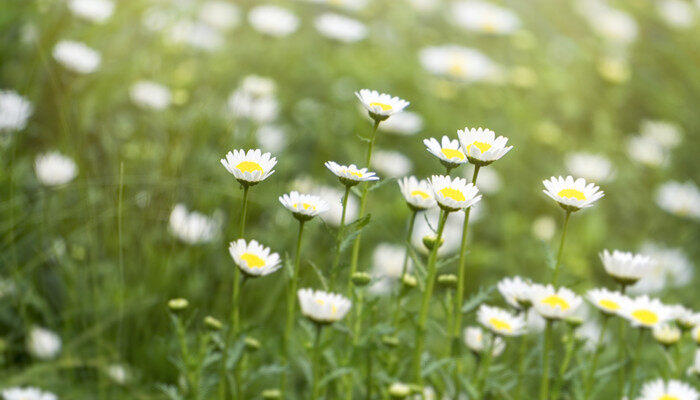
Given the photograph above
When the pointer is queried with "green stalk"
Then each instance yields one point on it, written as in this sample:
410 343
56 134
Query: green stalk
182 341
521 365
565 364
484 373
561 249
588 384
291 307
621 352
544 386
341 228
635 362
315 363
429 284
399 292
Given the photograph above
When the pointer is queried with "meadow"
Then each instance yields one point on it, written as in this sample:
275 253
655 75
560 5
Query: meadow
210 199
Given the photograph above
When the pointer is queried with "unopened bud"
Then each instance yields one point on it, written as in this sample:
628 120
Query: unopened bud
212 323
271 394
361 279
178 304
399 390
409 281
448 280
251 343
390 341
430 241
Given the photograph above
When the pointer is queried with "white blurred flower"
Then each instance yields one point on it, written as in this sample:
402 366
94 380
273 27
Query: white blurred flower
15 111
405 123
118 373
535 322
387 260
477 342
459 63
43 343
480 16
666 334
544 228
696 363
54 169
334 198
149 94
625 267
323 307
592 167
676 13
220 14
681 199
488 180
352 5
193 227
662 389
646 150
589 331
97 11
273 20
27 393
272 138
667 134
391 164
196 34
669 268
254 99
340 28
76 56
609 23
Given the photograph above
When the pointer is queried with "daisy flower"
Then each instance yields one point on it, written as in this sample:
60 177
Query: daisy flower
405 123
670 268
27 393
150 95
76 56
626 268
220 14
55 169
666 134
417 193
572 195
554 303
15 111
459 63
645 312
392 164
676 13
334 198
607 301
695 369
350 175
477 342
322 307
43 344
193 227
454 194
500 321
516 291
251 167
666 334
97 11
685 317
253 258
303 206
273 20
340 28
481 146
480 16
380 106
448 152
255 99
668 390
594 167
681 199
695 334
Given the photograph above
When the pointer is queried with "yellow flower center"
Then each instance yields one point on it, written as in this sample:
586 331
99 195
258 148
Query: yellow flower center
453 194
488 26
383 106
572 194
253 260
456 67
357 174
334 309
646 317
483 147
669 397
452 153
305 206
554 301
249 166
609 305
500 324
420 193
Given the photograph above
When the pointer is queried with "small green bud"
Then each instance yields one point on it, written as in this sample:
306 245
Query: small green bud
251 343
574 322
212 323
271 394
361 279
448 280
399 390
430 241
178 304
390 341
409 281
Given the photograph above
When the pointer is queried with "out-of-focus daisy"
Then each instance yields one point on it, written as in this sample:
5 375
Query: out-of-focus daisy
54 169
251 167
500 321
666 334
534 322
272 137
684 317
350 175
593 167
589 332
668 390
43 343
303 206
695 369
118 373
670 268
380 106
489 180
334 198
665 133
149 94
340 28
392 164
15 111
572 195
387 260
646 151
625 267
645 312
605 300
254 259
481 146
322 307
27 393
418 194
273 20
193 227
254 99
477 342
448 151
554 303
695 334
220 14
454 194
351 5
676 13
97 11
458 63
516 291
76 56
196 34
480 16
609 23
681 199
404 123
543 228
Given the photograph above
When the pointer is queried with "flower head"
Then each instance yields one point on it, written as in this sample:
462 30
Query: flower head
477 342
666 334
54 169
251 167
670 268
43 343
645 312
448 152
27 393
15 111
454 194
626 268
340 28
459 63
605 300
76 56
554 303
695 333
595 167
481 146
572 195
668 390
253 258
516 291
303 206
150 95
322 307
483 17
681 199
500 321
350 175
273 20
97 11
380 106
193 227
417 193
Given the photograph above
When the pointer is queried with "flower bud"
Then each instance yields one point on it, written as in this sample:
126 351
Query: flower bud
178 304
409 281
270 394
251 343
212 323
574 322
390 341
448 280
361 279
430 241
399 390
667 335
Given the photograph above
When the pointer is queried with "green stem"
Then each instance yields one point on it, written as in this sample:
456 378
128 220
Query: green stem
561 249
244 208
544 386
488 356
565 364
182 340
404 268
621 352
315 362
429 284
635 362
594 362
368 354
521 365
291 307
341 229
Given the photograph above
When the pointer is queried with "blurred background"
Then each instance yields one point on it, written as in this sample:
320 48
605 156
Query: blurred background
114 116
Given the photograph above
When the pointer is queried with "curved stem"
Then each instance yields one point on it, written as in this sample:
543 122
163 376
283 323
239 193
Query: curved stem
588 384
404 268
561 249
291 307
341 229
544 386
315 363
429 284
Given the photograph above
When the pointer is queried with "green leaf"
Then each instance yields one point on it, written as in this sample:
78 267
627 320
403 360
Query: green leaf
351 231
318 272
381 183
475 300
